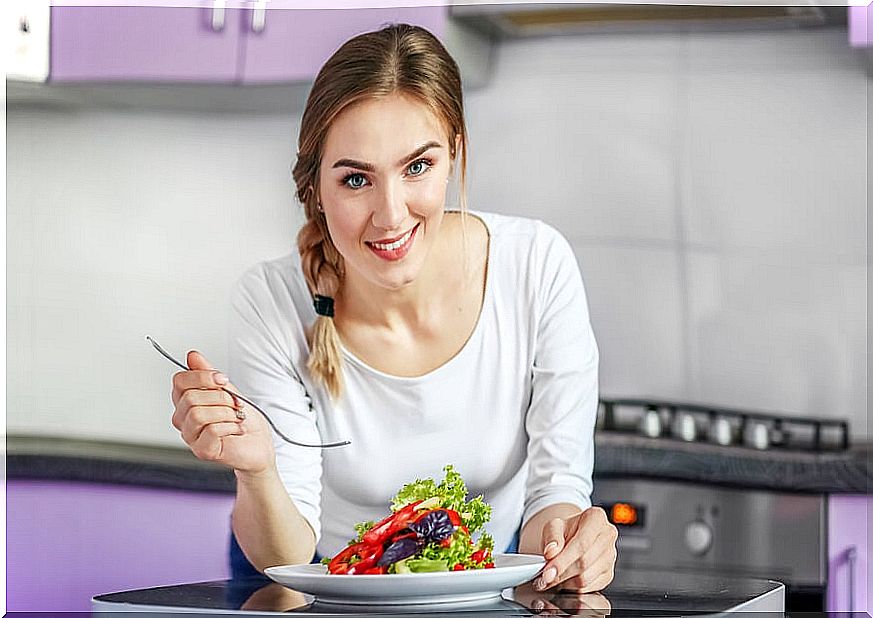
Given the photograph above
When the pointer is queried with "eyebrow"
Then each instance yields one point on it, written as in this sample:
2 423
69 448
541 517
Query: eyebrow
368 167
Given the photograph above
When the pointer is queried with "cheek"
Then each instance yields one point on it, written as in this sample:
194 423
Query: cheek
344 230
432 194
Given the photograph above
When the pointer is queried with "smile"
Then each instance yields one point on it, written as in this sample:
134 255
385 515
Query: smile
396 244
396 248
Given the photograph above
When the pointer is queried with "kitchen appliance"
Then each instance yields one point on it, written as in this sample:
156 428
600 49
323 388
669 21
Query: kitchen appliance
691 422
695 528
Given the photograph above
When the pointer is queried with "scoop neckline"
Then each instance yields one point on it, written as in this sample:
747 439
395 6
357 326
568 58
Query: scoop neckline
486 302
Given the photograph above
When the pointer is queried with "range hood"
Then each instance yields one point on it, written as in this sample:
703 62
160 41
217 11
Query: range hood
510 20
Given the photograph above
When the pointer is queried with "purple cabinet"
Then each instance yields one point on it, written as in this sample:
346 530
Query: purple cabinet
171 44
136 43
849 575
68 541
293 44
861 26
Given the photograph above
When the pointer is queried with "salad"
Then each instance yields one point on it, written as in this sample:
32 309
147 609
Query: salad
430 529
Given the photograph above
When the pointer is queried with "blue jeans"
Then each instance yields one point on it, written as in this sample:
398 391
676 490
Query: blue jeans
240 567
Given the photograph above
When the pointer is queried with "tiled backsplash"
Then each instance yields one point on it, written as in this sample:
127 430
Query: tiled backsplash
713 187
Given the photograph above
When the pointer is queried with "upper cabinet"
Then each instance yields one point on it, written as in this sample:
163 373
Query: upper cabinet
142 43
289 45
217 42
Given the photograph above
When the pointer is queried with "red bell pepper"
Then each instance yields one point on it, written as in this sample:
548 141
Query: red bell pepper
454 517
343 557
395 522
368 555
480 556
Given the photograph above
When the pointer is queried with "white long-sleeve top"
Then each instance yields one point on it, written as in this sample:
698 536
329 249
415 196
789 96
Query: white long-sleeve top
513 410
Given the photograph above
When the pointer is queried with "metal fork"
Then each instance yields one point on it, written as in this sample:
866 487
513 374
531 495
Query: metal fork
166 355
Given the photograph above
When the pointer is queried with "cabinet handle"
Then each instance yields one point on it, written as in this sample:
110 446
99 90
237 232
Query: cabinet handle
259 16
218 15
851 558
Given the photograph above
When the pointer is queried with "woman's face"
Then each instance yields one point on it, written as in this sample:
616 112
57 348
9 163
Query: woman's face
383 182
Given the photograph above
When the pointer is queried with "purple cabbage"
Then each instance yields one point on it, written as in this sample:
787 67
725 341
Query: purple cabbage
434 527
398 550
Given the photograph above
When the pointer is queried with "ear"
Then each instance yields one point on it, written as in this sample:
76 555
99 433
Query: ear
456 151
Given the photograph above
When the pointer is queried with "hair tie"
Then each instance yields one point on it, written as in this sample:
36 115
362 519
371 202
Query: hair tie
324 305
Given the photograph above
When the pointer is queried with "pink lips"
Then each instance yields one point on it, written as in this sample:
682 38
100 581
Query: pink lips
392 255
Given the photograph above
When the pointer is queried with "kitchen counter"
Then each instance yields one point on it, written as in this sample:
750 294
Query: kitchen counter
617 455
632 592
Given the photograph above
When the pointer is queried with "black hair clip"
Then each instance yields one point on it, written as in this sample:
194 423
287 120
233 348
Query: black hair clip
323 305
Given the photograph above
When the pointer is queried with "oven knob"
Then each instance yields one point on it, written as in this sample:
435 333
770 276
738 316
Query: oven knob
698 537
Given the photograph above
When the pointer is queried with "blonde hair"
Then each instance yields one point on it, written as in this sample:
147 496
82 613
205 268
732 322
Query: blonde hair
398 59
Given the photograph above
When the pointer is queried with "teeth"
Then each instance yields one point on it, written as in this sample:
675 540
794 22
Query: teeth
394 245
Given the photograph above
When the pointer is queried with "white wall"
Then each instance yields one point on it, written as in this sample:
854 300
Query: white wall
712 186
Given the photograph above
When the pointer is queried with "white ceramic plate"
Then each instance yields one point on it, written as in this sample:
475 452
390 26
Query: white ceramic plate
413 588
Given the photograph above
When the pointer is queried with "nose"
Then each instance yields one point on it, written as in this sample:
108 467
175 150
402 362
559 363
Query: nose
390 211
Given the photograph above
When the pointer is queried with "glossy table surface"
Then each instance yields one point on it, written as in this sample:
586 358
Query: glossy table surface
632 592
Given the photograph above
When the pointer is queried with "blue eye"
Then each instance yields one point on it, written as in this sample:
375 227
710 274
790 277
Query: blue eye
354 181
419 167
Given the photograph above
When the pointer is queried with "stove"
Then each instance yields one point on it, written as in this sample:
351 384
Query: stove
699 528
689 422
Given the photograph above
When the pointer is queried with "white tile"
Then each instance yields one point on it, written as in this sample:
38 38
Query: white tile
581 132
777 333
126 225
776 160
635 302
768 51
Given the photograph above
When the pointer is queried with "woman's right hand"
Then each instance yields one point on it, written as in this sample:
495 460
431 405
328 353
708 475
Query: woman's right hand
206 417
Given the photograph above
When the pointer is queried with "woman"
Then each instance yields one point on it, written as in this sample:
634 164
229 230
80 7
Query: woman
424 336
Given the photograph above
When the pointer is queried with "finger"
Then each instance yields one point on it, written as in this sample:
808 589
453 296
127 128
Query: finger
552 543
595 560
201 417
593 576
564 565
192 398
553 537
545 608
571 584
197 379
196 360
592 537
209 445
602 552
599 583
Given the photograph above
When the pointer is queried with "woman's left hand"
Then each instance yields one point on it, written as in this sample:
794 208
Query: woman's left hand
579 551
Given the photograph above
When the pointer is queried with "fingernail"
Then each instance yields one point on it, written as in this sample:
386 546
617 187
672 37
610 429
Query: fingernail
537 605
549 575
550 547
219 378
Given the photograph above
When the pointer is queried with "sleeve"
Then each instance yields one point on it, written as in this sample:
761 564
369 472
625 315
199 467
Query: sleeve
262 366
563 408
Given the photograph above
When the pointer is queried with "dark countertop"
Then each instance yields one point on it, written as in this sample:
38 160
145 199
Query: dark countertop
632 591
617 455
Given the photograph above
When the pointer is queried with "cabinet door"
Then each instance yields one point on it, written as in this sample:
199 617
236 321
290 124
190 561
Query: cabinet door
849 576
142 43
294 43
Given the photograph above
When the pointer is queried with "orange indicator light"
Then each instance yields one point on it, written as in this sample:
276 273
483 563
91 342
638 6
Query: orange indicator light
624 514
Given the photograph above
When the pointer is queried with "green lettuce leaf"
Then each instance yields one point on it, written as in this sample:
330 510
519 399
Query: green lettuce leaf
452 492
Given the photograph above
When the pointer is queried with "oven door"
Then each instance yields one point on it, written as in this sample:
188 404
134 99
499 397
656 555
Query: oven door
694 528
